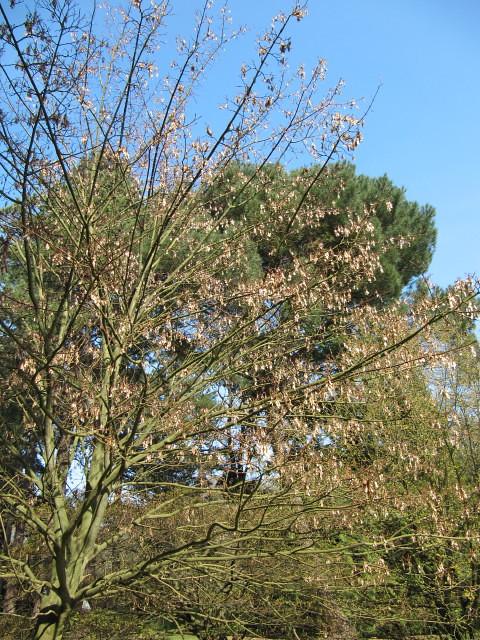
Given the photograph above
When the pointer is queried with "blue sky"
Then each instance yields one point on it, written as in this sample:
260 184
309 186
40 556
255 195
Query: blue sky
423 128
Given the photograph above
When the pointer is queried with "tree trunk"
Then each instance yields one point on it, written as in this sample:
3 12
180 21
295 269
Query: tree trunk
51 629
51 619
10 585
10 597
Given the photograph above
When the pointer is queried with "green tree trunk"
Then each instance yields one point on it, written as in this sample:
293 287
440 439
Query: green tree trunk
51 619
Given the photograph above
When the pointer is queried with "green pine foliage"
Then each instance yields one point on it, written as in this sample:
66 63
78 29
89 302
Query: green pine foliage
405 232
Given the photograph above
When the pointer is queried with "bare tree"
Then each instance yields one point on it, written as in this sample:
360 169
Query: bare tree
136 340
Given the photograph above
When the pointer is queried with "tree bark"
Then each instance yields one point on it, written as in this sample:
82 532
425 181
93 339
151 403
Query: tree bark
10 597
10 591
51 619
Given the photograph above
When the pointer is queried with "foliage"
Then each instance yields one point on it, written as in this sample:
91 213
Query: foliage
425 578
403 232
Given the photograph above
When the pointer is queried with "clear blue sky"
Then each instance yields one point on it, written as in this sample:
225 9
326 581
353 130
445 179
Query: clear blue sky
423 130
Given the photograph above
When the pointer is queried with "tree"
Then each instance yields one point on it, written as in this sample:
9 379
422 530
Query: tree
440 559
417 459
404 231
139 344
